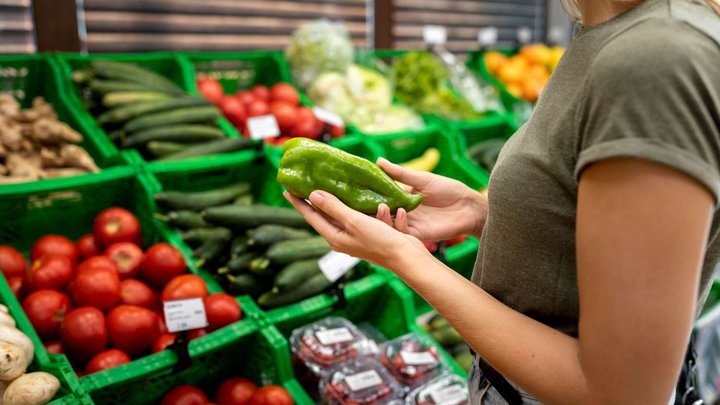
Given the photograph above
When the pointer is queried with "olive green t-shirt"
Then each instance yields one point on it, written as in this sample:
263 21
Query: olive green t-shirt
645 84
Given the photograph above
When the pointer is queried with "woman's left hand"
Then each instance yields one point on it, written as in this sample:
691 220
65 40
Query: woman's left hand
356 234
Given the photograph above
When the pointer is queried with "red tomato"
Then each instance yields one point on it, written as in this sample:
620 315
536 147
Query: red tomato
245 97
107 359
305 114
116 225
161 343
196 333
271 395
184 395
51 272
284 92
183 287
132 329
456 240
161 317
83 333
54 245
102 262
221 310
336 131
261 92
135 292
210 89
233 109
430 246
16 285
86 246
46 309
258 108
96 287
235 391
285 114
54 347
12 262
306 129
162 262
127 256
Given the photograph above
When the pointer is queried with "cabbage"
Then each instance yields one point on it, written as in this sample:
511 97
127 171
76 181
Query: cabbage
317 47
369 87
332 91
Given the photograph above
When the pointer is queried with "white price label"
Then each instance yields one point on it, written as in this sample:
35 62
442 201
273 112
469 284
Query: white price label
328 116
451 395
417 358
364 380
333 336
524 35
183 315
487 36
434 34
335 264
264 126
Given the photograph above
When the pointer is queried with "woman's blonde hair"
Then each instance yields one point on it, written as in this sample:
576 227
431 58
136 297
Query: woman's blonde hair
572 8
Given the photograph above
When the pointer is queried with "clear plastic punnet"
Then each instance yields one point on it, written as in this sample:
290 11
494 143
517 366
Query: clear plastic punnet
448 389
362 381
411 359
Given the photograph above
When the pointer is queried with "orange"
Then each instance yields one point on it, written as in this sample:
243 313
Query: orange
531 89
515 89
494 61
536 54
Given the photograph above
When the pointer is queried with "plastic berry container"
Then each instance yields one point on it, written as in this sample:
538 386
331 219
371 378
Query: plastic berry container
447 389
412 360
362 381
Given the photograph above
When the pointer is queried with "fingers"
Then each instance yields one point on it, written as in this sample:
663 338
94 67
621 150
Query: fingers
383 214
333 208
316 219
412 178
401 221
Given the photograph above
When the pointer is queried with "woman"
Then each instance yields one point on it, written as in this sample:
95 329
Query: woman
602 228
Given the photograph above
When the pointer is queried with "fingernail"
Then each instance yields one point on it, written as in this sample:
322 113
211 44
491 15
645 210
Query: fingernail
316 197
382 160
286 195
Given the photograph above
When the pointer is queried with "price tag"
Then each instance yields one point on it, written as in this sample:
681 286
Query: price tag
487 36
328 116
264 126
364 380
334 265
333 336
557 35
524 35
451 395
417 358
183 315
434 34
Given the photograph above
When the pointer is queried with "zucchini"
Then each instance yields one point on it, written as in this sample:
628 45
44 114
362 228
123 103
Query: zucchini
210 148
119 98
239 216
238 246
312 286
163 148
131 72
183 115
174 133
270 233
179 200
245 284
127 112
186 219
298 249
238 264
212 248
201 235
110 86
295 273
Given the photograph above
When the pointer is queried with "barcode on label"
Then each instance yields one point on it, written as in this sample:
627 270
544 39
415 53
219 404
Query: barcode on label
264 126
328 116
335 264
333 336
451 395
183 315
364 380
417 358
434 34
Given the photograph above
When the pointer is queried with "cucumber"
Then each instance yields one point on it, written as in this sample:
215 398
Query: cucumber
245 199
203 234
212 248
119 98
312 286
238 216
125 113
174 133
298 249
238 264
295 273
163 148
83 76
110 86
245 284
261 267
178 200
131 72
183 115
186 219
238 246
210 148
270 233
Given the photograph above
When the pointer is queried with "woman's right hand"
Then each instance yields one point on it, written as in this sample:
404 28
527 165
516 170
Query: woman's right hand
449 207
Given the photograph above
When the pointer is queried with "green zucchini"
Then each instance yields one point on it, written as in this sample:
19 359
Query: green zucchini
270 233
245 284
239 216
127 112
298 249
312 286
131 72
191 133
163 148
179 200
238 264
210 148
119 98
186 219
201 235
183 115
110 86
295 273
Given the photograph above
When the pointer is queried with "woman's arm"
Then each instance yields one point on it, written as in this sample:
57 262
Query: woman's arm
641 235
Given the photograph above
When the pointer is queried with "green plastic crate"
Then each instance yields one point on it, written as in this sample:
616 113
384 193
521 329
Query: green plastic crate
360 146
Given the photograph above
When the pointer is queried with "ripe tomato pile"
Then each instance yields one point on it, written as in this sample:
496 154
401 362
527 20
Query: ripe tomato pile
99 300
233 391
281 100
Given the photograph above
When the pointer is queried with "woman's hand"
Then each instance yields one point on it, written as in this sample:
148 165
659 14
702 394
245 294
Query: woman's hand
351 232
449 207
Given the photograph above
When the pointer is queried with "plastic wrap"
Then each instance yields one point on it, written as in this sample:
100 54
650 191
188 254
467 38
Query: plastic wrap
317 47
362 381
445 390
411 359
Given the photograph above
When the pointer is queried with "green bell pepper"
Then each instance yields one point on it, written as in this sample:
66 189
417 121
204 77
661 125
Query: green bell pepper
308 165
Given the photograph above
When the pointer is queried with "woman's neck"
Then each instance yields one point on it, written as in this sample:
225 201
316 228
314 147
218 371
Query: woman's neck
598 11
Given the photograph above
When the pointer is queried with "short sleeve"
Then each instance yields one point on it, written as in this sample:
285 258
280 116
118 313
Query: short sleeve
653 93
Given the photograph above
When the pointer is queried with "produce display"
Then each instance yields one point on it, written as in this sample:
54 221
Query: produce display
525 74
233 391
445 390
35 145
443 333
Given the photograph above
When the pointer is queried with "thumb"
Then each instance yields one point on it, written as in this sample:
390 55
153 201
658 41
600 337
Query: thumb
414 178
332 206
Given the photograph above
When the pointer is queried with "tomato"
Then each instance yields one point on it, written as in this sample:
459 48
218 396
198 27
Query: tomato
127 256
305 114
161 343
456 240
133 329
162 263
12 262
306 129
196 333
431 246
258 108
54 347
336 131
86 246
51 272
107 359
184 395
54 245
284 92
102 262
261 92
96 287
135 292
210 89
161 318
16 285
285 114
271 395
235 391
46 309
233 109
183 287
83 333
221 310
116 225
245 97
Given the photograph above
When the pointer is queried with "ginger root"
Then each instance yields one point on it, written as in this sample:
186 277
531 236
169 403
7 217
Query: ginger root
75 156
24 165
50 157
47 131
10 135
64 172
9 107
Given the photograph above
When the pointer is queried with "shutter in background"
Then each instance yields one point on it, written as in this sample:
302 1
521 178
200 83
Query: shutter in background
16 27
211 25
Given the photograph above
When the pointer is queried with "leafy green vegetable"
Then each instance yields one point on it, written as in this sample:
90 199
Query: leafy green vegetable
317 47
